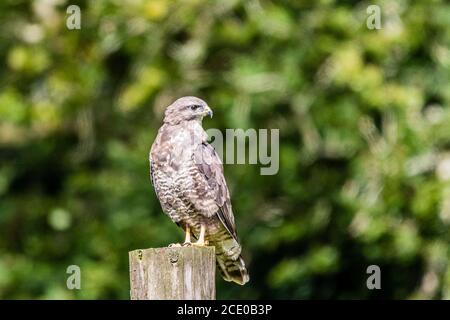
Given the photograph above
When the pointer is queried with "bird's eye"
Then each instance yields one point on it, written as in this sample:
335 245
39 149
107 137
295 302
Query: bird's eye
195 107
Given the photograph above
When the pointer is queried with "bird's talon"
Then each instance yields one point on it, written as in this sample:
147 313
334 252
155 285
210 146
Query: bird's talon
187 244
174 245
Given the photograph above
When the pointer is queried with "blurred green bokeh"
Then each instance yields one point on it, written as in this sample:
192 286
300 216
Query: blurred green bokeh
364 123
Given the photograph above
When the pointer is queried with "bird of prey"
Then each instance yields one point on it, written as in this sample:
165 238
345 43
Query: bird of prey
188 179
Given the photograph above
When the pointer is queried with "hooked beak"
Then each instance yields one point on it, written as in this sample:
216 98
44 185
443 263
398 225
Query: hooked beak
208 112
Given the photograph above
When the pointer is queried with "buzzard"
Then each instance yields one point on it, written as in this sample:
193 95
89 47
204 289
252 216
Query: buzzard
188 179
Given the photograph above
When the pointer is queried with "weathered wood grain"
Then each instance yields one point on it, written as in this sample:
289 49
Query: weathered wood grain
173 273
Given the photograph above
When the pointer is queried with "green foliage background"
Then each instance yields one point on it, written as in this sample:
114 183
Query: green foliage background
364 141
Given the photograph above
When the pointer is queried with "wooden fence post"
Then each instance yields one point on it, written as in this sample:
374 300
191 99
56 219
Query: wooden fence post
177 273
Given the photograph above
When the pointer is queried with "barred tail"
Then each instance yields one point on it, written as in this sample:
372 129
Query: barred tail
234 271
230 262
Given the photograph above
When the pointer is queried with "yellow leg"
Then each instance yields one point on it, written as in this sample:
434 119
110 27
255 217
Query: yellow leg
187 239
201 238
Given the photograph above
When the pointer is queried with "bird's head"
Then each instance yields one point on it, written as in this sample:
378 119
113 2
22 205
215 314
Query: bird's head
187 109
